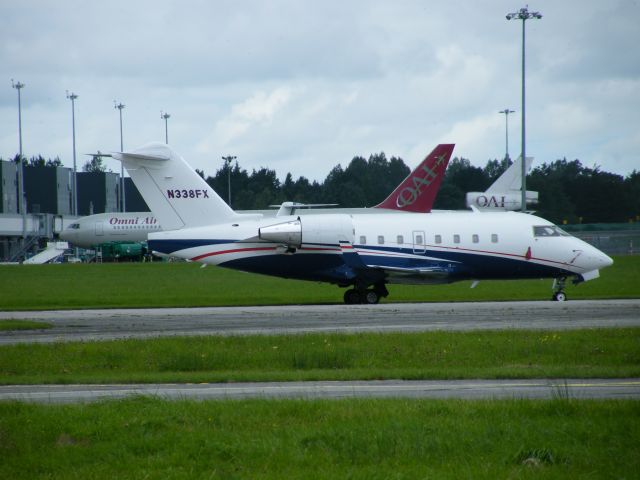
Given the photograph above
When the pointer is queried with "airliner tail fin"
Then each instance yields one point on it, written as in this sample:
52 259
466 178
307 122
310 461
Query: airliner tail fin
176 194
511 179
418 191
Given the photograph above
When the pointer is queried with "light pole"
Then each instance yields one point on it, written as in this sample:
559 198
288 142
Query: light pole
523 14
120 106
506 112
228 159
165 116
72 96
21 203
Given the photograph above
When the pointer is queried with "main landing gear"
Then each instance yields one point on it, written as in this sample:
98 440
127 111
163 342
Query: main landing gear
558 290
365 295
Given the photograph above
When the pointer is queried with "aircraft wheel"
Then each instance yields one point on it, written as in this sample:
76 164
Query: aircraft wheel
351 297
371 297
559 297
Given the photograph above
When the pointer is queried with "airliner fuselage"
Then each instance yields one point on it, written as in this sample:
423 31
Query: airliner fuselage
390 248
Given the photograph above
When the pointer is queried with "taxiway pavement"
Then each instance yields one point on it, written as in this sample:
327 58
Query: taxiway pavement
462 389
83 325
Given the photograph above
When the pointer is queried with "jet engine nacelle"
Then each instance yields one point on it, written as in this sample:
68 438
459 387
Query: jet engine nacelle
499 201
311 229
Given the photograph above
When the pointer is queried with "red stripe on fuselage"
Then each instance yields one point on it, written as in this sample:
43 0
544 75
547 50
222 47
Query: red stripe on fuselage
235 250
373 252
433 247
255 249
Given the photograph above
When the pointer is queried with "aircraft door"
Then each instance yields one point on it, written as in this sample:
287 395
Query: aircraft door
419 244
99 229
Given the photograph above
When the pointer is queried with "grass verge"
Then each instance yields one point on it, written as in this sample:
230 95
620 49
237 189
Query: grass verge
355 438
187 285
427 355
9 325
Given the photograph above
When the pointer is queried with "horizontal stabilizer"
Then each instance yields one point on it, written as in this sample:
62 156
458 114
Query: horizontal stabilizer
289 208
139 157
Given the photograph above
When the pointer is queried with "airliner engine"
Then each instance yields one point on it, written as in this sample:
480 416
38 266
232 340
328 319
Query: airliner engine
313 229
499 201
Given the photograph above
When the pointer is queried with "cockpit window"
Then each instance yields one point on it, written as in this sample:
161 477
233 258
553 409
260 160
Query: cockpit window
549 231
74 226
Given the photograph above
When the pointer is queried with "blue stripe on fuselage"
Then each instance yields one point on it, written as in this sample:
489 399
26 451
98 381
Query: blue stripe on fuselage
331 267
325 267
464 265
173 245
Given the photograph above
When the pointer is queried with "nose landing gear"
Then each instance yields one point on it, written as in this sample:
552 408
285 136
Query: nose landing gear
558 290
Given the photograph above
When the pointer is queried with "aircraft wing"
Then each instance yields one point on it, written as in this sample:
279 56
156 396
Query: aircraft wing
429 273
425 274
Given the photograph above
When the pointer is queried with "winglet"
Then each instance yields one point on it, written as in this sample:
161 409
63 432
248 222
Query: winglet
418 191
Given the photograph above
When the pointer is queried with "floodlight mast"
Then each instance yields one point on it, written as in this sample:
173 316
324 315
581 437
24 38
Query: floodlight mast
120 106
165 116
21 203
72 96
228 159
506 113
524 14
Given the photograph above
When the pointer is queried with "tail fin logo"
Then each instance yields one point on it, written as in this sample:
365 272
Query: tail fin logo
418 190
409 195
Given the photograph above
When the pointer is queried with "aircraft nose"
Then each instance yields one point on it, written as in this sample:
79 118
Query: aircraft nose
605 260
68 235
598 259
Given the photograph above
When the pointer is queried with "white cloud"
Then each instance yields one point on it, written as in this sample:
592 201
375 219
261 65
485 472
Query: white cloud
257 110
299 86
570 119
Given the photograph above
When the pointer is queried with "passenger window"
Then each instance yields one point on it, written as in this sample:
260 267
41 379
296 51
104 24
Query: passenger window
363 240
494 238
400 239
475 238
438 238
456 238
380 240
419 240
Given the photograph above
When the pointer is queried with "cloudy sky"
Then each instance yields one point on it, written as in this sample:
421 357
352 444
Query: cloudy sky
300 86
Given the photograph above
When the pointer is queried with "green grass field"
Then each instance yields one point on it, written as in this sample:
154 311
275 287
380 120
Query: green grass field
360 439
363 438
11 325
363 356
36 287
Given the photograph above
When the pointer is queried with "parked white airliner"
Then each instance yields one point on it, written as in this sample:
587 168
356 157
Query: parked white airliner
363 251
101 228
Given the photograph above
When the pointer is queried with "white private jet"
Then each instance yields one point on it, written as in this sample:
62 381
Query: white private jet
361 251
416 193
506 192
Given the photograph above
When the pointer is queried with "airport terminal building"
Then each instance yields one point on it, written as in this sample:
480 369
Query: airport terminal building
48 198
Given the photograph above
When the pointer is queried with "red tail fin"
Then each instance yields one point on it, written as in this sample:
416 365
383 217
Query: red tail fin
418 191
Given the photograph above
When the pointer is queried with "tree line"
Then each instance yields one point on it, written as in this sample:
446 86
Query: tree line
569 192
